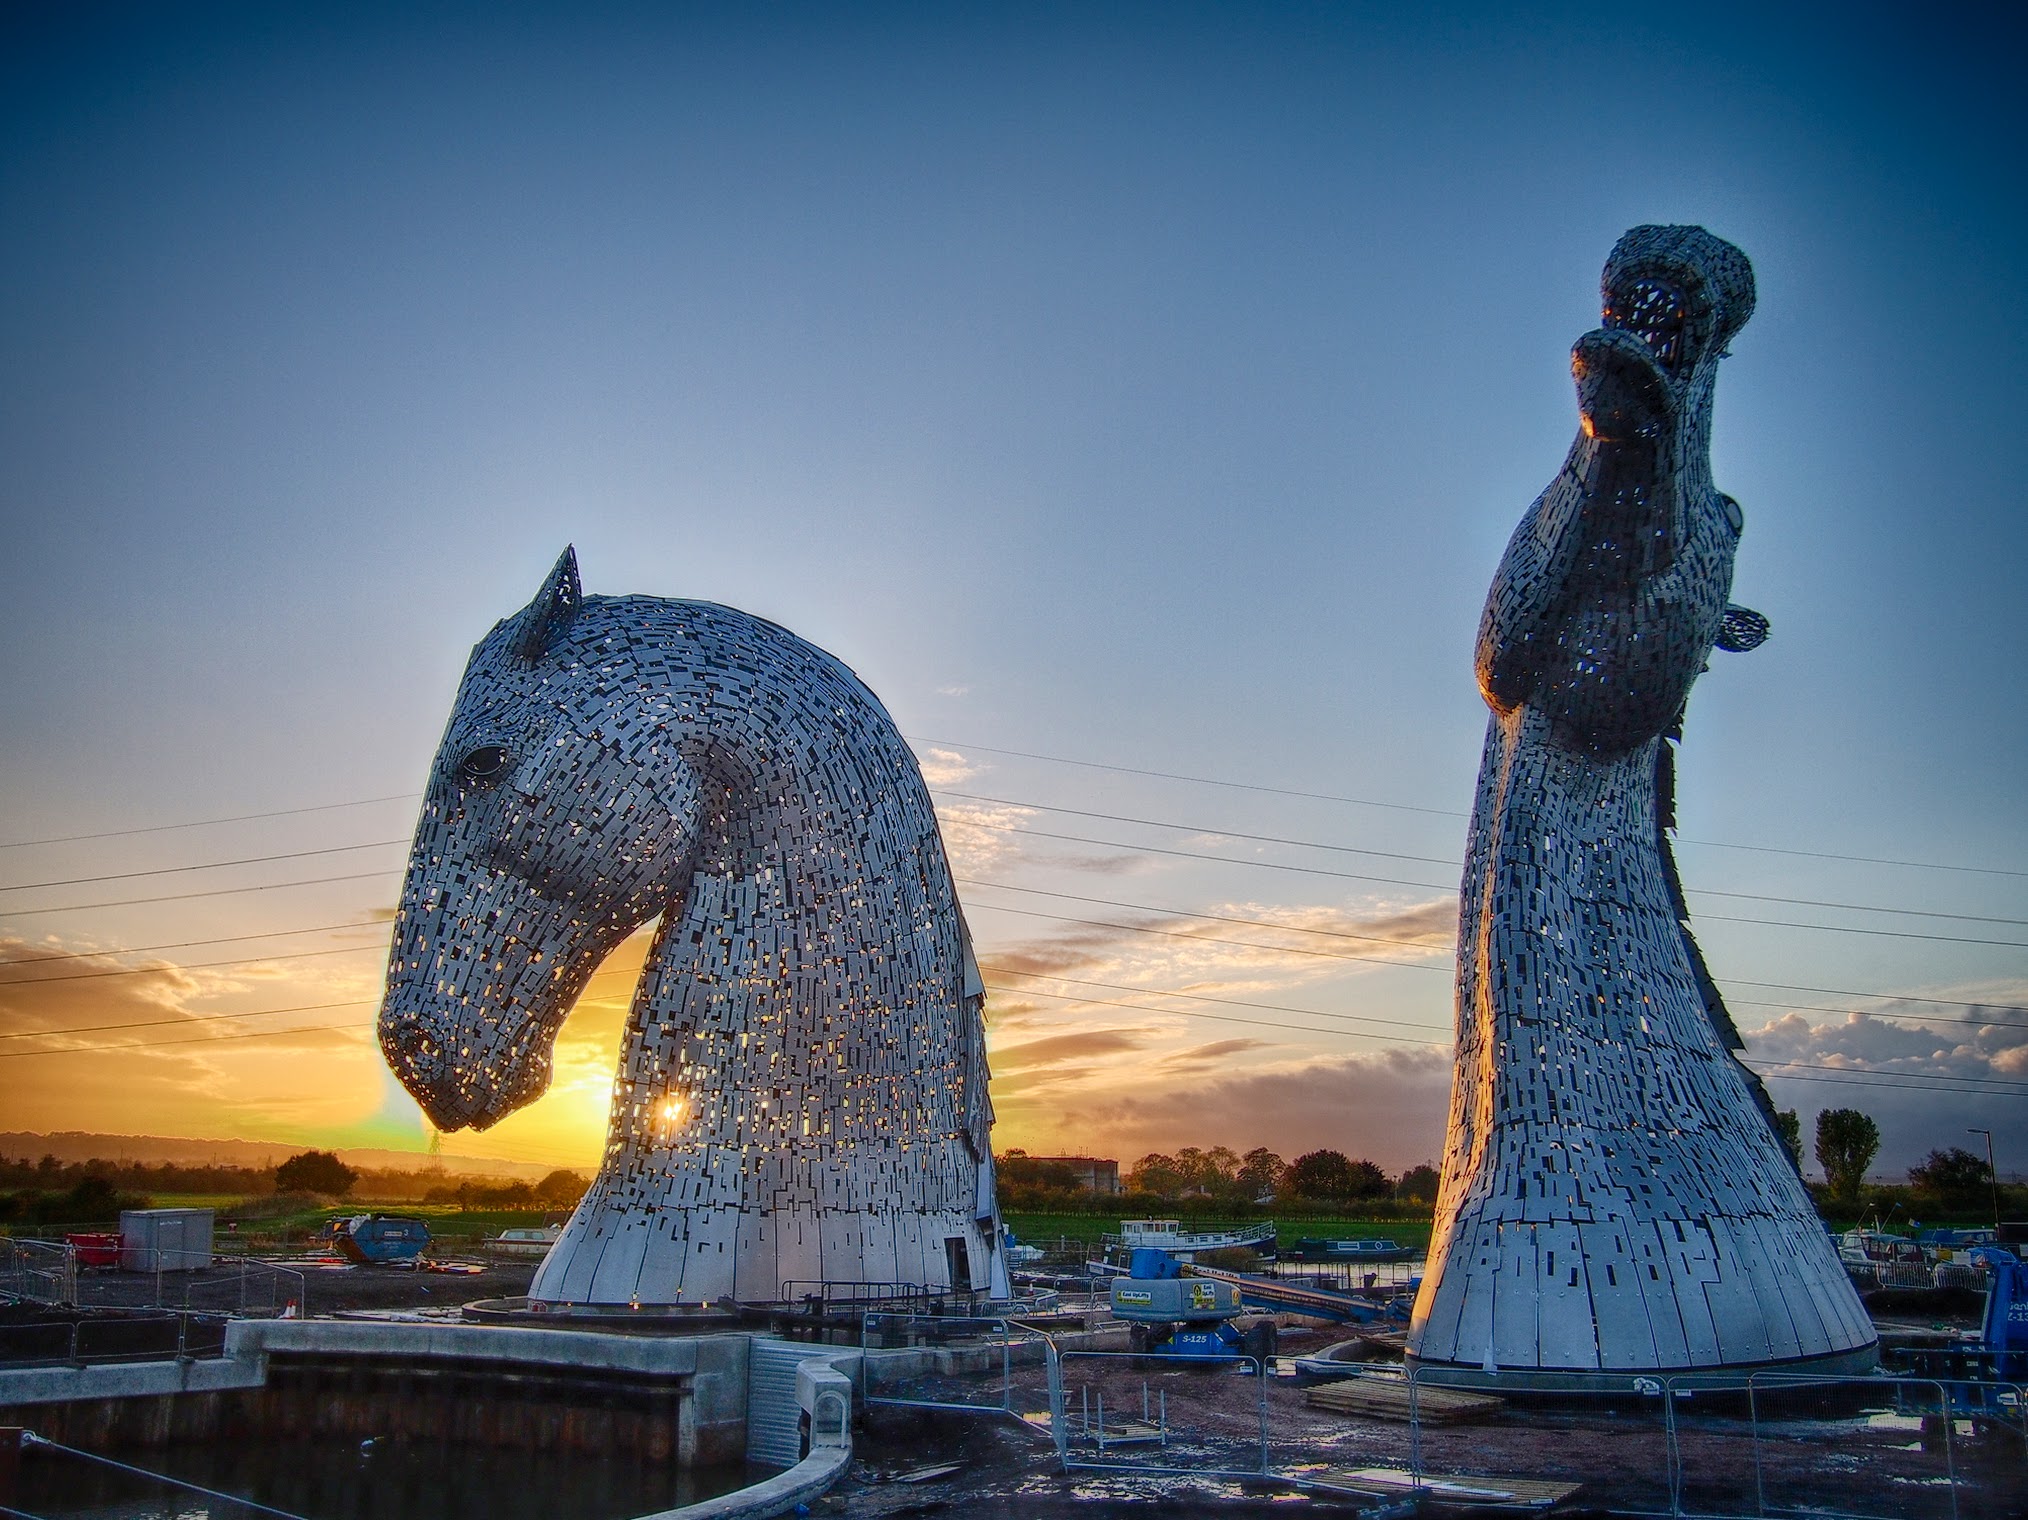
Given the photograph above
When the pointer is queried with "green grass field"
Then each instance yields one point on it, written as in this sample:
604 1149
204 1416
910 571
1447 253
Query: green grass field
1045 1229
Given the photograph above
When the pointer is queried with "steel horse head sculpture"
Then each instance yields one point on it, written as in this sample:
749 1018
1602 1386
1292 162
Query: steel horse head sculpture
802 1089
1615 1198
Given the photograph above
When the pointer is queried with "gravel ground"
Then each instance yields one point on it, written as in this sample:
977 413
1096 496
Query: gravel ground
1807 1455
330 1286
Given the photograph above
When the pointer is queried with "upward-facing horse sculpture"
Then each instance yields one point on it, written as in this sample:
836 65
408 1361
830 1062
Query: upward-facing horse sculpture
1615 1198
802 1089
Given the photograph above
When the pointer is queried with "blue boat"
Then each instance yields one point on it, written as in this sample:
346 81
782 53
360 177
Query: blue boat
379 1240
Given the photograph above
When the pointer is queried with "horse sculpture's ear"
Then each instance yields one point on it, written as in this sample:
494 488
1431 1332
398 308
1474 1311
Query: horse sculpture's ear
548 618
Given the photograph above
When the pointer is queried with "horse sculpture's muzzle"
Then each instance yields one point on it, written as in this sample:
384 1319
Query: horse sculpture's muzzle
460 1084
1622 392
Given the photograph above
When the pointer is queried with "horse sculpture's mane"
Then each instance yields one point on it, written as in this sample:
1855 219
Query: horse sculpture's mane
802 1088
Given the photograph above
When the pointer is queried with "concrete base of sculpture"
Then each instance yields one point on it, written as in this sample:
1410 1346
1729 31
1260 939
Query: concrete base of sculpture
1843 1364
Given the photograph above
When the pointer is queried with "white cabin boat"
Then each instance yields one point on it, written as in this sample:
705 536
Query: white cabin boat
525 1242
1185 1245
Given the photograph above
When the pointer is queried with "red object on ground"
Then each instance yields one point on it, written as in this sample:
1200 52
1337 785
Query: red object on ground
95 1248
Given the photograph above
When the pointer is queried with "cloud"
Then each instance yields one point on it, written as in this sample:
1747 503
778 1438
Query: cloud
1921 1083
1068 1047
1272 947
977 835
946 767
954 691
1388 1107
1198 1055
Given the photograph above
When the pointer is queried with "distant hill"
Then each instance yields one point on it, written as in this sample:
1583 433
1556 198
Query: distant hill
75 1145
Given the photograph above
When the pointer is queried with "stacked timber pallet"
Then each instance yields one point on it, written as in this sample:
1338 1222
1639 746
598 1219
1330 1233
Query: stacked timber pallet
1393 1399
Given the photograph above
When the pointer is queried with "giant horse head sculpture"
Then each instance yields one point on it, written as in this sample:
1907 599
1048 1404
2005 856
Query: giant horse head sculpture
1615 1201
802 1092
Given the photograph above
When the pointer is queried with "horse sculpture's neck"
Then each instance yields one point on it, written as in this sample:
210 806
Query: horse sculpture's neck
802 1087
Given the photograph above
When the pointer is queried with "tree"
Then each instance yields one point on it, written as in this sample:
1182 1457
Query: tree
1322 1174
1847 1142
1956 1178
560 1190
1261 1174
1158 1174
1790 1125
315 1172
1368 1181
1418 1184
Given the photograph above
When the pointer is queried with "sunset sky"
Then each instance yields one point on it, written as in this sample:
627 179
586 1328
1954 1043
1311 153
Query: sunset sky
1137 397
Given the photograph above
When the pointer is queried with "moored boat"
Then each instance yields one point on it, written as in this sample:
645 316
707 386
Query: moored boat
1186 1245
528 1241
1376 1252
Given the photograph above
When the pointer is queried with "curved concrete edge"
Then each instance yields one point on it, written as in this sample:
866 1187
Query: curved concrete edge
22 1386
820 1387
805 1481
1860 1362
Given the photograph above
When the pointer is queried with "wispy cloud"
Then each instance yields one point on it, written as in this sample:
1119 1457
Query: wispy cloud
1388 1107
1217 1050
1065 1048
947 767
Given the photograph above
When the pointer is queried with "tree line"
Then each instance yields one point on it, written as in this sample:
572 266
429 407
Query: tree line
1218 1179
49 1191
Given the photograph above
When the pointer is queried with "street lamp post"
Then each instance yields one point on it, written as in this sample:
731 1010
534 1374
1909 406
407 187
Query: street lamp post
1992 1175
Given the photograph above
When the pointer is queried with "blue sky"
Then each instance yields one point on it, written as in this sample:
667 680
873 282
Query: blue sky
1154 387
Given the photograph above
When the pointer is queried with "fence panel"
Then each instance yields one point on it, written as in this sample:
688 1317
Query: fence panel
1616 1441
940 1361
1134 1412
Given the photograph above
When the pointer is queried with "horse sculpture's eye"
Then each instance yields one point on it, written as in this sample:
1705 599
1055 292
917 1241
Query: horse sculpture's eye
482 766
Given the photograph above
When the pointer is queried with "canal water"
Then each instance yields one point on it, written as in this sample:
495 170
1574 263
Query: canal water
385 1479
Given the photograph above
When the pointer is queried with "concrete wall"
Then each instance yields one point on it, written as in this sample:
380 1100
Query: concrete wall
657 1397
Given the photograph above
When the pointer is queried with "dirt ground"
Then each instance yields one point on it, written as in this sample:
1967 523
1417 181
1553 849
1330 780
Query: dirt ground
329 1286
1854 1457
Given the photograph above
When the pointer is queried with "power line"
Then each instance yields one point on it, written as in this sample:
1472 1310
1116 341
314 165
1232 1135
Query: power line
1215 918
1918 1079
1434 860
252 960
207 865
1227 1018
196 1039
1270 865
1788 1070
1145 849
1205 939
131 902
1191 828
205 823
1198 997
1905 997
187 1018
1247 786
182 944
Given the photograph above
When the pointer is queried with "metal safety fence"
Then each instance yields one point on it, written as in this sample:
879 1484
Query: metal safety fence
78 1340
51 1273
971 1364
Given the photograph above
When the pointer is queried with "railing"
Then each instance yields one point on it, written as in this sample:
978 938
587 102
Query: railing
48 1272
816 1293
974 1365
1189 1423
84 1342
37 1271
261 1287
